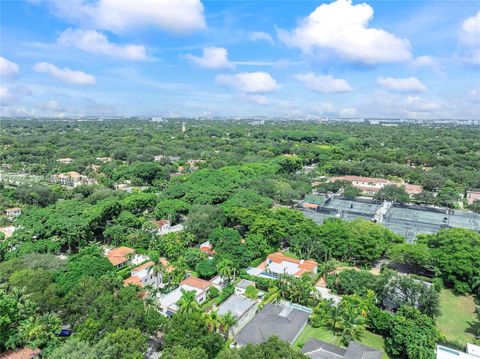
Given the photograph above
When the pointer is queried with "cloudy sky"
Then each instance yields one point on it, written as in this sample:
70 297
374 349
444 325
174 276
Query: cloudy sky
415 59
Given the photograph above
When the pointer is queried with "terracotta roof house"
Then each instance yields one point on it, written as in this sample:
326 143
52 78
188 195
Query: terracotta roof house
7 231
473 196
206 247
71 179
143 275
119 256
168 302
25 353
373 185
277 263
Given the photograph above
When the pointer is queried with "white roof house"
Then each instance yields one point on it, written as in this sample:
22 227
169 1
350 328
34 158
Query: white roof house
473 352
168 302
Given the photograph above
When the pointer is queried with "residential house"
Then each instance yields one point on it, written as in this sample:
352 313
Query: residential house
207 248
242 286
13 213
371 185
473 196
7 231
120 256
65 161
71 179
124 186
242 308
317 349
25 353
326 293
472 352
284 321
164 226
168 302
278 263
218 282
144 275
104 159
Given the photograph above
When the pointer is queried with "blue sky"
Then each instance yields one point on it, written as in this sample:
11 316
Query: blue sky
415 59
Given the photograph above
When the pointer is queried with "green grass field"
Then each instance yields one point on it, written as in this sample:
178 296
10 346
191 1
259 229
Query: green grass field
457 312
370 339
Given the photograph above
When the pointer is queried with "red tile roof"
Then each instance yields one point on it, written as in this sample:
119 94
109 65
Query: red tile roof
25 353
133 280
148 264
207 248
196 283
119 255
413 188
161 222
303 265
310 205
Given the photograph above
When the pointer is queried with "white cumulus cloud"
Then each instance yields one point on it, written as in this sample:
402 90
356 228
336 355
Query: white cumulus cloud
5 93
212 58
177 16
470 31
470 39
408 84
8 68
97 43
343 28
261 36
65 74
323 83
249 82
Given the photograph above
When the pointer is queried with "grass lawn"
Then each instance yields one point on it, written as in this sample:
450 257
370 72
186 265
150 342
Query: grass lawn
370 339
457 311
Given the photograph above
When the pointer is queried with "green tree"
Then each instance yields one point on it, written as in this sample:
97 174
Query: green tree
393 193
188 302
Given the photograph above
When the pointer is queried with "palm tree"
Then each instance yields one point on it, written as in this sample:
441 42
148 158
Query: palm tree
224 268
352 327
213 320
150 303
188 304
158 270
333 317
227 321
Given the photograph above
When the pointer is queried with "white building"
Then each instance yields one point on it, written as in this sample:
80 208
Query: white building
242 308
168 302
144 275
13 213
473 352
164 226
71 179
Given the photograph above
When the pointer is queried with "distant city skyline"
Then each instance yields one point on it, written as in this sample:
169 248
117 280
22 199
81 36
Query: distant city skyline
345 59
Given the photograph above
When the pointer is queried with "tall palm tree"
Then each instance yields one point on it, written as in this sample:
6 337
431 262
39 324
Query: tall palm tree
227 321
150 303
213 320
188 304
224 268
333 317
352 326
158 270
